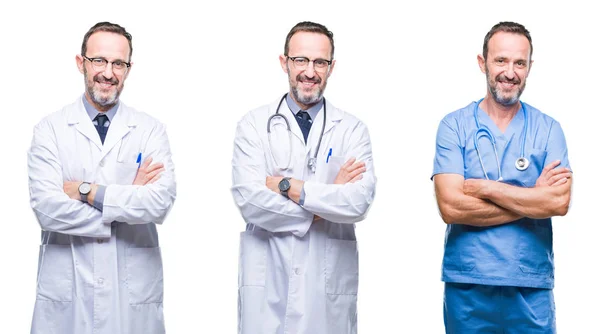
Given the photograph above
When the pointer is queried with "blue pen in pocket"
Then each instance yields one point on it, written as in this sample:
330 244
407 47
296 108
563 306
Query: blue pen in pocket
328 155
139 159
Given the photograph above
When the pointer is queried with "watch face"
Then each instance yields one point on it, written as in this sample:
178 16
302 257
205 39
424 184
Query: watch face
284 185
84 188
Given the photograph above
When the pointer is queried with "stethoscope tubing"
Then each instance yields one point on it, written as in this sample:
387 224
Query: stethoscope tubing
312 161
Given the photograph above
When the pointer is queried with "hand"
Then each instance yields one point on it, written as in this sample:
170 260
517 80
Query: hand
350 172
71 188
552 176
148 174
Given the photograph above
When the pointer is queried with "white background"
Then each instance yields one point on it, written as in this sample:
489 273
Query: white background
400 69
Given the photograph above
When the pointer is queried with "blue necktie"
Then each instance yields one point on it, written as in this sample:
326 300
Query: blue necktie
102 125
305 122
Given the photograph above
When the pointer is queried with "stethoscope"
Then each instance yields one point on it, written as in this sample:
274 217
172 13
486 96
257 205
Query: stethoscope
312 161
521 163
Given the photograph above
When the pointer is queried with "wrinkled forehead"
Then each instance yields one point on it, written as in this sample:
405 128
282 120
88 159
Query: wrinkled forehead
506 44
108 45
309 44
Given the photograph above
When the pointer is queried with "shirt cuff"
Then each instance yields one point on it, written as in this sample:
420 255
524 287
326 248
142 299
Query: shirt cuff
99 198
302 195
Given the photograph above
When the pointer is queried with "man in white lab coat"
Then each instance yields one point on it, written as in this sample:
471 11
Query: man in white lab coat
98 196
301 179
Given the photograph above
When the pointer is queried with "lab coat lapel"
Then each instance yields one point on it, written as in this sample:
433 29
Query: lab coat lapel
333 118
119 127
285 110
79 118
334 115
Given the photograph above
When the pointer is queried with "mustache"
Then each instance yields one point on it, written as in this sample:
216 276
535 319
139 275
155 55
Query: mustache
503 78
99 78
304 78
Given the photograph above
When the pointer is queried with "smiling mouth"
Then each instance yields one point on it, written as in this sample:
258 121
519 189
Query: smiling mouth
105 85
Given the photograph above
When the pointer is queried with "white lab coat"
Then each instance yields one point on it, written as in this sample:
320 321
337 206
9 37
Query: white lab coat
296 276
99 272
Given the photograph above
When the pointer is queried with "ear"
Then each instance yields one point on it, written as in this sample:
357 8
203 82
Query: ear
283 62
529 69
79 60
331 68
128 70
481 63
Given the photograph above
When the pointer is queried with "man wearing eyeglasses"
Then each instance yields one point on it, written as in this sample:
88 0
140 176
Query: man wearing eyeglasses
101 178
302 176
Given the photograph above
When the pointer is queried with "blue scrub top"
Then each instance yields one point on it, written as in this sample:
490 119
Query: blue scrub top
514 254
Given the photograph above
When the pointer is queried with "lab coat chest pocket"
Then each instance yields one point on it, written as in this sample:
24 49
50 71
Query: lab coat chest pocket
127 159
144 275
329 168
55 273
253 258
341 267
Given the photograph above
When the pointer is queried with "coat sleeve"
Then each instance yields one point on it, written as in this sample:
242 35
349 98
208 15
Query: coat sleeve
257 203
345 203
55 211
150 203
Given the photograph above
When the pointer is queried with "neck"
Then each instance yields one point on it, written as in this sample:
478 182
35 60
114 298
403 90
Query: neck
500 114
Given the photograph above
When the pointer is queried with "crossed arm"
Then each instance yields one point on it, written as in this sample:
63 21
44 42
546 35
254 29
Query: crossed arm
148 173
488 203
57 204
350 172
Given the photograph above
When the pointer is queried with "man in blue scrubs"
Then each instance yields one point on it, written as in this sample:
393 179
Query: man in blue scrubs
501 172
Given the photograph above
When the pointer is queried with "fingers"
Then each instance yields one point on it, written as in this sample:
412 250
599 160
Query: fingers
154 167
559 176
356 178
348 163
151 175
355 173
550 166
356 166
560 182
154 179
146 162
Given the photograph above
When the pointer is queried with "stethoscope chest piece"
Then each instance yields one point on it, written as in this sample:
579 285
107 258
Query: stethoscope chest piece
312 164
522 163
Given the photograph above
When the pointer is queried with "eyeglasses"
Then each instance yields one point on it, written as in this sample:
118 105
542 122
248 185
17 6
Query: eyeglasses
301 63
99 64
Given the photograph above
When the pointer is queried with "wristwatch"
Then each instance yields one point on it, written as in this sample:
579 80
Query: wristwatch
84 190
284 186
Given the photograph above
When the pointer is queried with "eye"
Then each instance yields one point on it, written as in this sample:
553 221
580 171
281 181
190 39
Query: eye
118 64
321 62
521 63
98 61
301 61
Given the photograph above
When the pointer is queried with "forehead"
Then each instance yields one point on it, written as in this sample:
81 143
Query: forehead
109 45
309 44
508 45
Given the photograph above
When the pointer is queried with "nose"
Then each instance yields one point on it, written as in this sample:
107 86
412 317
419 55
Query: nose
310 70
510 72
108 71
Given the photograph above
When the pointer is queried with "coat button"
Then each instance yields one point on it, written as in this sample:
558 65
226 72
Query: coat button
102 163
100 241
100 281
297 271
